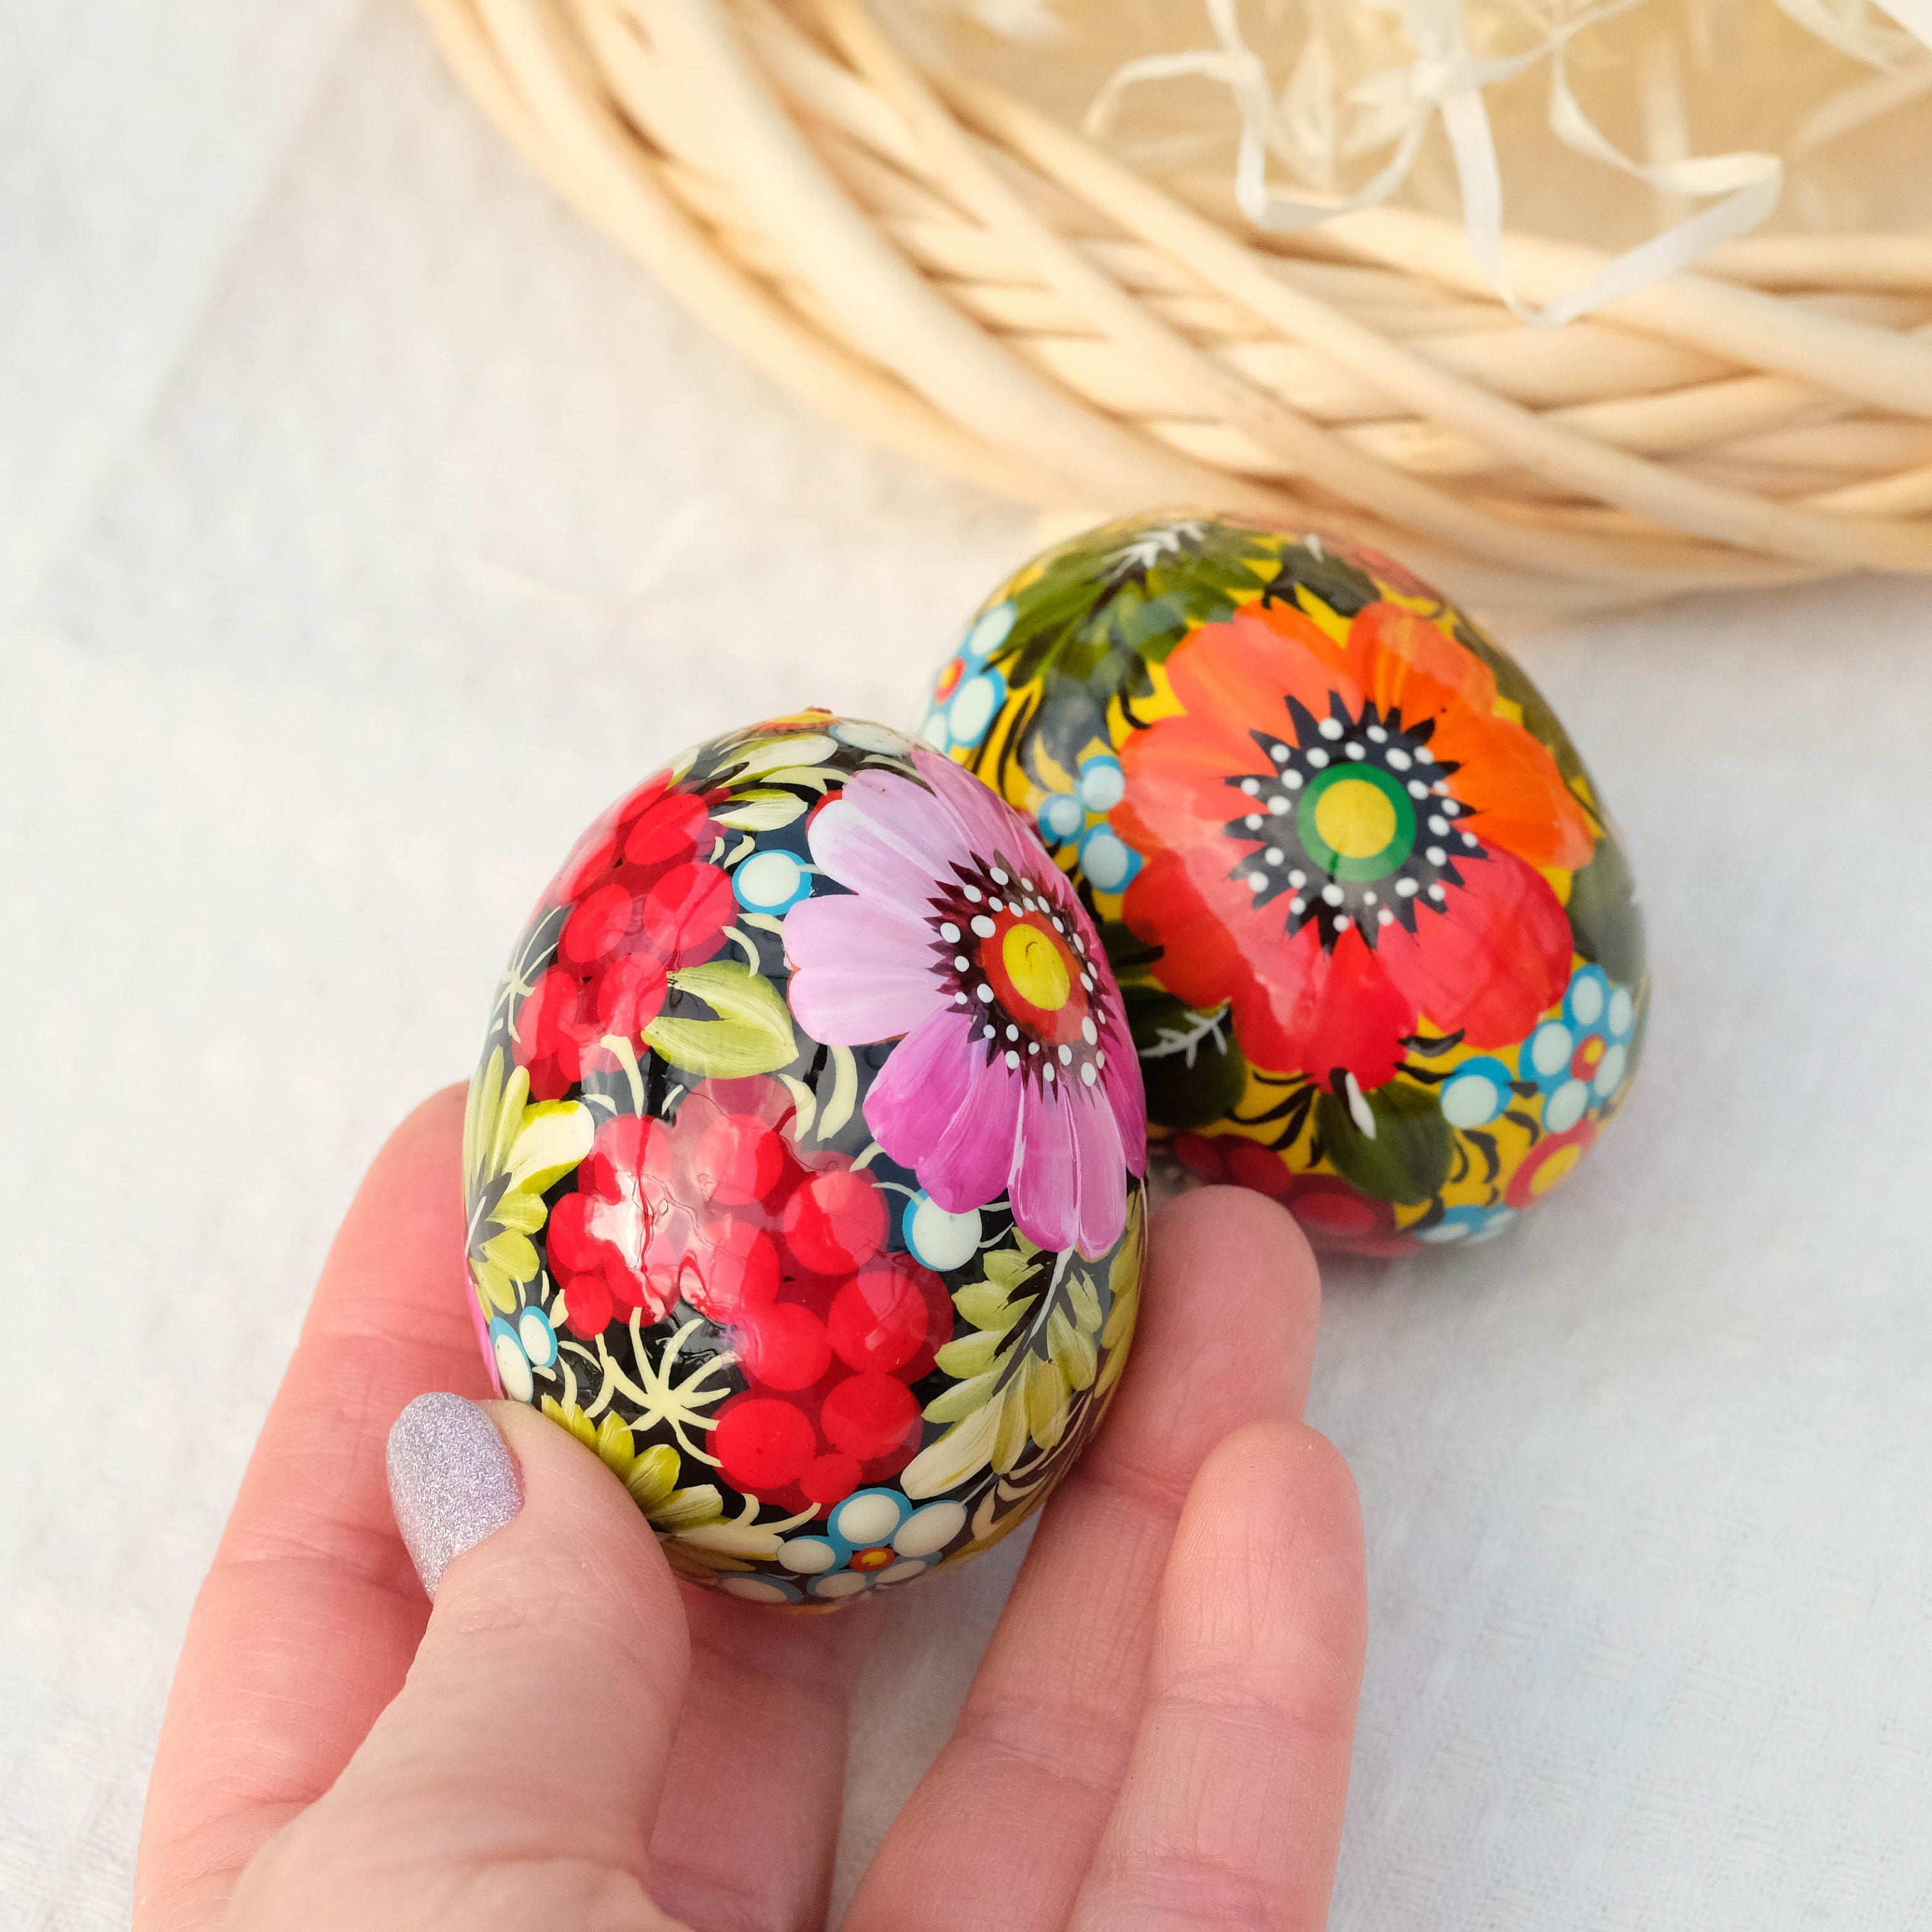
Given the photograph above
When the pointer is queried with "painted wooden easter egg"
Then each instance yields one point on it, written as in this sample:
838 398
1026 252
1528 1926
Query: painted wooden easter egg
803 1161
1378 939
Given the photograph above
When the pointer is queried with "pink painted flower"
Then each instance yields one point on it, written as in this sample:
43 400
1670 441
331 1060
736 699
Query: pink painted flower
960 938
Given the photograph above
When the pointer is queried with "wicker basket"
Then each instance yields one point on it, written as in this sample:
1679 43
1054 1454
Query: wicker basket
937 262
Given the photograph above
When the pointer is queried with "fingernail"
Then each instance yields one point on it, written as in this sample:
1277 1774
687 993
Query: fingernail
452 1481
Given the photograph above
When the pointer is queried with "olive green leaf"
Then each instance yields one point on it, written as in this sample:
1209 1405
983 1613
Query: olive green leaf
751 1034
789 752
1345 587
1194 1073
1131 590
1031 1355
1404 1158
1604 915
1126 952
962 1451
958 1403
972 1354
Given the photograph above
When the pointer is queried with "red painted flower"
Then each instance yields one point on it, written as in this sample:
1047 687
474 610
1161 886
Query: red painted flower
1343 837
1548 1162
642 903
1332 1214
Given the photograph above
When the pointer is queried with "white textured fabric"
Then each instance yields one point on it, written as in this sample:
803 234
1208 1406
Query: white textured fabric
365 523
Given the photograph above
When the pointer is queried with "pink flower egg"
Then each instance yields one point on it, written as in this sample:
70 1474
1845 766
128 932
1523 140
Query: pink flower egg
804 1159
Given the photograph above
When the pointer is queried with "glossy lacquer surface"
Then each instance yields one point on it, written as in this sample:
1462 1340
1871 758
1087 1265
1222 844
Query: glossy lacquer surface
803 1161
1379 942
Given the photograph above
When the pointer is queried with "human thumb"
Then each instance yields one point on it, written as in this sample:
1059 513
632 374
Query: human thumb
512 1781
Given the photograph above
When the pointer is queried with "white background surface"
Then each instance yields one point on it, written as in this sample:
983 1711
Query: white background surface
365 524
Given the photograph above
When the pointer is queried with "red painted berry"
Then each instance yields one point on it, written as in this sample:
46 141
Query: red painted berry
783 1347
869 1416
730 1269
763 1442
830 1480
740 1160
835 1222
878 1319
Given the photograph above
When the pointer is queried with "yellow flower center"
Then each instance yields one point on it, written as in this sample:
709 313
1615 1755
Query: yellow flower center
1357 818
1036 967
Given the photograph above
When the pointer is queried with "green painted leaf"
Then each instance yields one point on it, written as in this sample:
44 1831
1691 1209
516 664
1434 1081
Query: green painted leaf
1604 916
760 810
971 1355
961 1452
555 1135
985 1305
1343 587
1195 1074
523 1211
1406 1159
1125 950
513 1254
1112 597
751 1034
964 1398
686 1510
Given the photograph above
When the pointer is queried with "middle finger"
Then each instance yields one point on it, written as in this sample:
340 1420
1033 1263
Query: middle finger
1001 1830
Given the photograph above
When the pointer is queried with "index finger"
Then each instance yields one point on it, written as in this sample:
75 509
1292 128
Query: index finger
304 1627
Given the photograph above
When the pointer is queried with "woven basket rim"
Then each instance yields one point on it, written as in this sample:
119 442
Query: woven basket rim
971 282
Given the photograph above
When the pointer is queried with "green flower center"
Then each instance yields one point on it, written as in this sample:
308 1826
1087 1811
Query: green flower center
1356 822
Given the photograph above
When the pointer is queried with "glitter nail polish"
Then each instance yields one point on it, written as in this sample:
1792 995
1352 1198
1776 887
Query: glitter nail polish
452 1481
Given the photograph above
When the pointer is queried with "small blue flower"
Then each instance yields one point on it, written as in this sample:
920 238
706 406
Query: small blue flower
771 882
1578 1062
964 708
1468 1224
1108 860
1620 1016
989 632
1545 1057
539 1337
1061 818
1587 1003
513 1363
1079 817
940 1241
875 1537
1102 783
1476 1092
522 1350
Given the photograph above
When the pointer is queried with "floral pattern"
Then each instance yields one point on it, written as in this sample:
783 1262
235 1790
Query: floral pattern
1015 1075
512 1152
637 905
1350 870
725 1244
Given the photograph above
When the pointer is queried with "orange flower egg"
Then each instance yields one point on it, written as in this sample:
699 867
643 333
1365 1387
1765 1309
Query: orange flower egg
1372 924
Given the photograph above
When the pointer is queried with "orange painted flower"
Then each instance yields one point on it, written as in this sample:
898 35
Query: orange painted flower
1344 839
